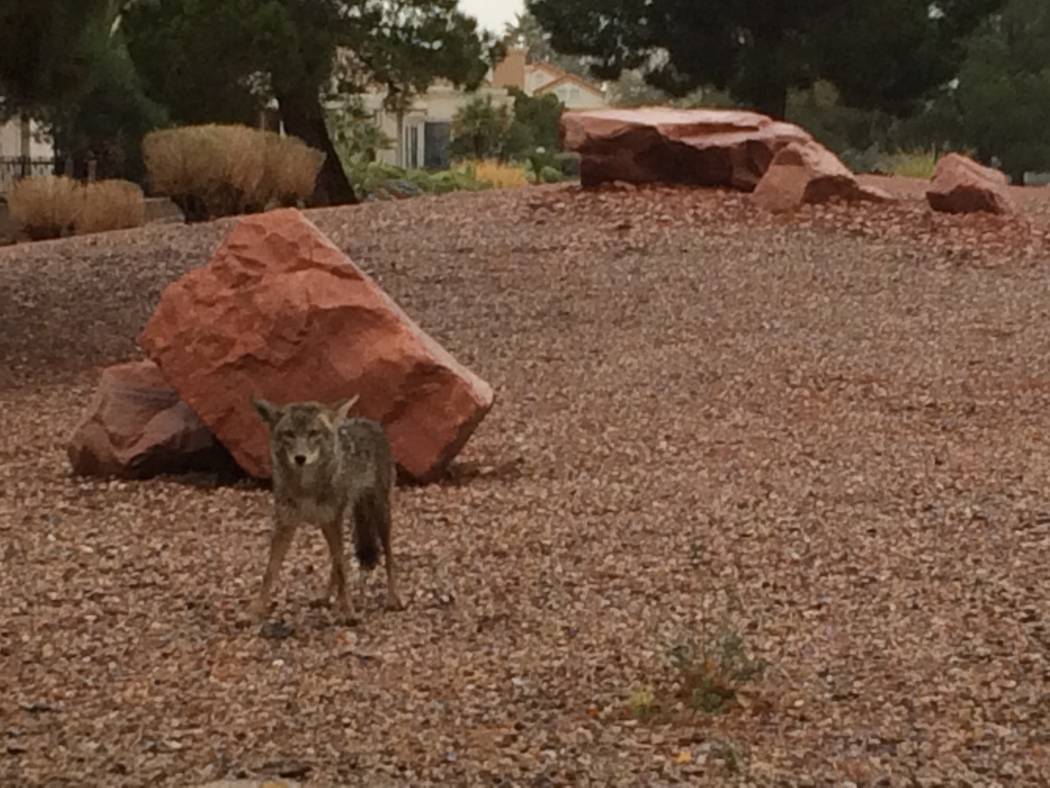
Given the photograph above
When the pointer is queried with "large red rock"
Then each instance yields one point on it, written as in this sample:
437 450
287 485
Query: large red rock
281 313
136 426
961 185
698 147
803 173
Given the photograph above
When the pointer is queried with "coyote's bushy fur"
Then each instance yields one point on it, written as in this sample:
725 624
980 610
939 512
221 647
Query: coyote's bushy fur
327 465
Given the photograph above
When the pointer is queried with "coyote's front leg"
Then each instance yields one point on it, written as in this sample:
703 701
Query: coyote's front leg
280 541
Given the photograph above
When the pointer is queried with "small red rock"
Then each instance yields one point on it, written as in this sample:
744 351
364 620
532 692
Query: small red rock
699 147
803 173
961 185
136 426
281 313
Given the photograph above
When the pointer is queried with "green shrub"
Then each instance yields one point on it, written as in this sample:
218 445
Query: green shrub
551 175
568 163
222 170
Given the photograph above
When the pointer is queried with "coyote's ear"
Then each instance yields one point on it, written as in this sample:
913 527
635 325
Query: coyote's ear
269 412
342 408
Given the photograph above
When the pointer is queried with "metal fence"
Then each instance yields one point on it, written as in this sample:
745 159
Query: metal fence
14 167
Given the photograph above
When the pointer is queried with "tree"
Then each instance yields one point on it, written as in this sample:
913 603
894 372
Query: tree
108 118
225 59
526 31
1003 92
480 129
877 53
45 56
538 118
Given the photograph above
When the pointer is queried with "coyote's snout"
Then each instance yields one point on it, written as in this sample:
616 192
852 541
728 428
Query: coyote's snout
326 464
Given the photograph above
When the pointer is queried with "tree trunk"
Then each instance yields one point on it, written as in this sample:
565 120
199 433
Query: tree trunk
303 117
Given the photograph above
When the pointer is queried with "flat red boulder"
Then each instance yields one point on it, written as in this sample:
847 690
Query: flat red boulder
281 313
136 426
808 173
697 147
961 185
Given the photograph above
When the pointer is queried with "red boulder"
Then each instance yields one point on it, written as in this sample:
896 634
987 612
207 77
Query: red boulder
136 426
281 313
810 173
699 147
961 185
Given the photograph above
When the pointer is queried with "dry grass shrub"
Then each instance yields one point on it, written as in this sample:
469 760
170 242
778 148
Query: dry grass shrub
45 206
293 166
224 170
500 175
109 205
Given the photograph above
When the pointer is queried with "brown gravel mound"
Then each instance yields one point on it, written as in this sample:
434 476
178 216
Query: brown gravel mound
828 429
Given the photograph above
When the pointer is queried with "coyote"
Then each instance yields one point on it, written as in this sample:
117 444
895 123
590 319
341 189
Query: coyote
324 465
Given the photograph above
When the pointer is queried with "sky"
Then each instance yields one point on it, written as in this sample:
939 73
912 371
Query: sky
493 14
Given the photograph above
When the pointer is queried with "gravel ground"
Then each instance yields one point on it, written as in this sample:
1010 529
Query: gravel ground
827 433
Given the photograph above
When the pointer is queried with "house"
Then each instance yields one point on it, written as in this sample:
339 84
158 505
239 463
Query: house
538 79
422 133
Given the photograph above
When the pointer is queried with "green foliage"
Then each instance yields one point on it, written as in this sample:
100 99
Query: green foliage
820 111
356 135
526 31
1003 96
878 54
568 163
45 53
181 47
550 175
711 671
910 164
107 120
378 181
540 117
480 129
483 129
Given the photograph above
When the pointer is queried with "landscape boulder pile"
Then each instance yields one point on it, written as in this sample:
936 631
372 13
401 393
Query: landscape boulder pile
699 147
281 313
780 163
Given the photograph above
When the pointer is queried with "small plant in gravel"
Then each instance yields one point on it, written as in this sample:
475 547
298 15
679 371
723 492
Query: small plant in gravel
642 703
710 671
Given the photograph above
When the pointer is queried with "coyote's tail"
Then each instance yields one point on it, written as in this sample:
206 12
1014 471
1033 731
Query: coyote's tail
371 520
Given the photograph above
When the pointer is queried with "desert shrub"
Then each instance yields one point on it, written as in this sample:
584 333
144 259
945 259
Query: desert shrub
499 175
911 164
45 206
550 175
293 166
711 670
109 205
222 170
